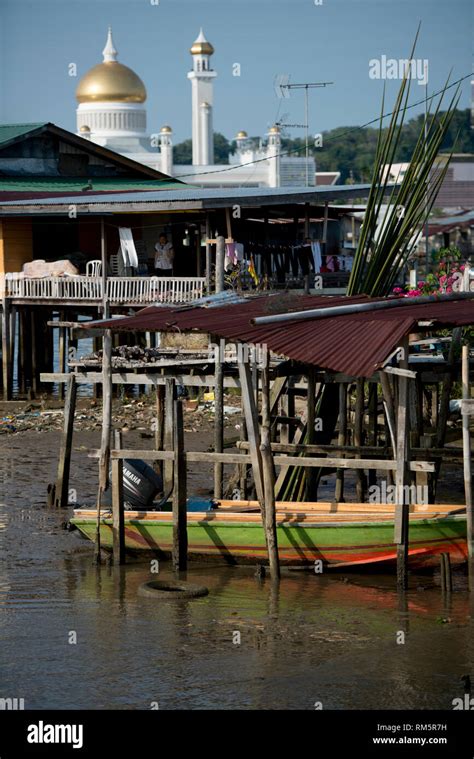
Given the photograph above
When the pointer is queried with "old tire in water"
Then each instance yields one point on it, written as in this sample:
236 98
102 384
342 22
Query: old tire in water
171 590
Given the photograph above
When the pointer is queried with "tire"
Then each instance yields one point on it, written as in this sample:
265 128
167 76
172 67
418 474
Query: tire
171 590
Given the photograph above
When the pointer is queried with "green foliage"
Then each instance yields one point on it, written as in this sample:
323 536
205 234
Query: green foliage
356 151
183 151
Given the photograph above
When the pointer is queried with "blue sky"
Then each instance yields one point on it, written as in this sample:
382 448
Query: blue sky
330 42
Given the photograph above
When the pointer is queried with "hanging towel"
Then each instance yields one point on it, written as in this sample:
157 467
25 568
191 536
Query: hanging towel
317 258
127 247
229 258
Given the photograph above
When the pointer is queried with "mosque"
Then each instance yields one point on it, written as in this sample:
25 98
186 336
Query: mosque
111 112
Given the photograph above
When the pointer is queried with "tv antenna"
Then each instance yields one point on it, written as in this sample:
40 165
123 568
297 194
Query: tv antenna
282 89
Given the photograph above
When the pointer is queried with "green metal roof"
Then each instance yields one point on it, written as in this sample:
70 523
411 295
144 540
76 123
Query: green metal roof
76 184
10 131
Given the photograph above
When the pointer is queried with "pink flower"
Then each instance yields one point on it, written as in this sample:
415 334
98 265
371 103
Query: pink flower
397 290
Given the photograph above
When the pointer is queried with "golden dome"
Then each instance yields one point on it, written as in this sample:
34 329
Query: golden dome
274 129
110 81
84 128
166 128
241 135
201 46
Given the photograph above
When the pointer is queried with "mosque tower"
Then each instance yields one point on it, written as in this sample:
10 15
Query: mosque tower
111 99
202 86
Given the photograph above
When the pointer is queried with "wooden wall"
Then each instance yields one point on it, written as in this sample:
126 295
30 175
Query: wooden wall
16 244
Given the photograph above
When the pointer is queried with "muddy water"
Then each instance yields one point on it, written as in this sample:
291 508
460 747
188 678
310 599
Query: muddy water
74 636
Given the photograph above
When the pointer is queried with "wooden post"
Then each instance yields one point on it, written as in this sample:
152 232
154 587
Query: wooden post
118 518
268 505
22 352
219 419
170 394
401 536
220 253
311 420
62 354
251 420
243 467
34 356
159 423
341 439
61 487
11 350
361 479
104 459
373 429
466 442
6 349
180 535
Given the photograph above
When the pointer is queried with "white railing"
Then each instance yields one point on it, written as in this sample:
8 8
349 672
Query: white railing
120 290
151 289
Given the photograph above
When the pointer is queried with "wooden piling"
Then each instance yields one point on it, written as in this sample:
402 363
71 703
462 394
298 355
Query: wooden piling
34 355
219 421
361 479
466 441
104 459
61 353
341 439
159 424
445 572
310 478
268 471
60 492
220 254
401 536
180 535
118 517
6 349
170 394
251 420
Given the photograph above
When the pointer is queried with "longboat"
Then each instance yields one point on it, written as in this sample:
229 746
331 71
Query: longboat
338 534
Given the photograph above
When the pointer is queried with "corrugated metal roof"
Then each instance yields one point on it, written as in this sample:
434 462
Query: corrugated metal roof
62 185
11 131
213 196
356 344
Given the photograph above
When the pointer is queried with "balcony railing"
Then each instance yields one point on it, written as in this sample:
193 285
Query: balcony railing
120 290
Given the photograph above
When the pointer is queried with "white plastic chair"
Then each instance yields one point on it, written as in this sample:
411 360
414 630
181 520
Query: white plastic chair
93 268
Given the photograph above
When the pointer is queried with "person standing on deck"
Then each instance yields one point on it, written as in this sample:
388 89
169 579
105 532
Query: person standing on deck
164 257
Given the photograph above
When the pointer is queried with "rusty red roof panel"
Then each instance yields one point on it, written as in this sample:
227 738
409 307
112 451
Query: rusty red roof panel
356 344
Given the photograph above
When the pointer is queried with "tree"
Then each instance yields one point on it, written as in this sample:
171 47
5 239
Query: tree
183 151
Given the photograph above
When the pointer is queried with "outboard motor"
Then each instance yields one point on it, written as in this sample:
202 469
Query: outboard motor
140 486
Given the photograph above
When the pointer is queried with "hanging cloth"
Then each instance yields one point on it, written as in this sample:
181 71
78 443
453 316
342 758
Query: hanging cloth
127 247
317 258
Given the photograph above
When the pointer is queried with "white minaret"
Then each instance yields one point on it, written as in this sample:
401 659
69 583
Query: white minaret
166 150
202 99
273 153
